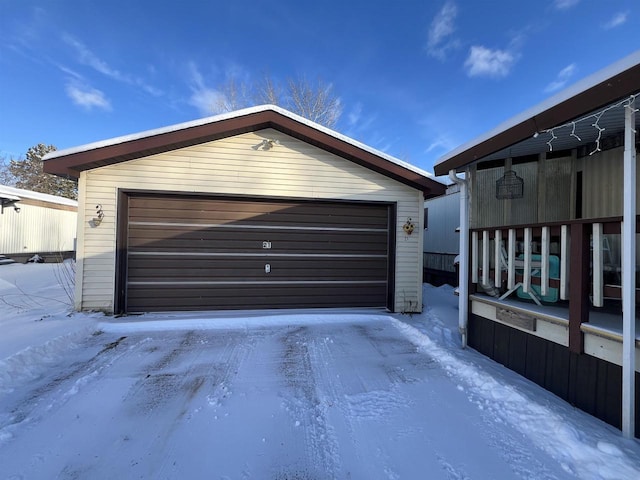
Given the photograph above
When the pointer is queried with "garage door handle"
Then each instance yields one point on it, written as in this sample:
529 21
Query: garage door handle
267 268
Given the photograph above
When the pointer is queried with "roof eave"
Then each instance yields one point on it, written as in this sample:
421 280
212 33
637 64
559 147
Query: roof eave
163 140
566 107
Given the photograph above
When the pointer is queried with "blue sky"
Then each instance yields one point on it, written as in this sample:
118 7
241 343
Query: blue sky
415 78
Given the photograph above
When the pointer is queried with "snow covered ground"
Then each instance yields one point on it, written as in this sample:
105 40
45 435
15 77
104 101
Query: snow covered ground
295 395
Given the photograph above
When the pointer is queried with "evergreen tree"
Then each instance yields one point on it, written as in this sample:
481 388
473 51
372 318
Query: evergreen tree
28 174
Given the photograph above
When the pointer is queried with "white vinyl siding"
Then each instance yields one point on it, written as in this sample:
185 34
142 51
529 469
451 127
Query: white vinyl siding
238 166
37 229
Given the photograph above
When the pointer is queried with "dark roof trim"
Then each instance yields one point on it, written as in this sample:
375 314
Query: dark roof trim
597 91
72 161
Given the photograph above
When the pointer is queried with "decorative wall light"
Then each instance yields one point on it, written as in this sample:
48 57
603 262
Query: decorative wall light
510 186
97 220
408 226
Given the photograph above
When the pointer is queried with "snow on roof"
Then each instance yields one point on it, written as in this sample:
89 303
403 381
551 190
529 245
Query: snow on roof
13 193
230 115
577 88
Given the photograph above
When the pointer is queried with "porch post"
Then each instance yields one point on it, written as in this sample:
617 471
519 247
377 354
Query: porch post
578 285
463 283
629 274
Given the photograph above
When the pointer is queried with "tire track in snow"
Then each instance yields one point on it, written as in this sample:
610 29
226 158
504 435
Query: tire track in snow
379 398
304 400
53 393
193 377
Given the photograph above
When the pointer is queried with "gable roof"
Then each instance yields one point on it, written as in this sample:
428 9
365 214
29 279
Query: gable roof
70 162
521 135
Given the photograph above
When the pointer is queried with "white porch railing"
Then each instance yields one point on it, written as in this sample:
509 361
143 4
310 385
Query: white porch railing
540 255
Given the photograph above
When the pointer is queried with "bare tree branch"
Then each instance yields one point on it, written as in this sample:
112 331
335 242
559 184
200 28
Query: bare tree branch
316 102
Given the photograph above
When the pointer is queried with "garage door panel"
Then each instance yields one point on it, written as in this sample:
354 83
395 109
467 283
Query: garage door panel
248 209
272 215
203 253
227 240
157 233
250 297
254 269
282 218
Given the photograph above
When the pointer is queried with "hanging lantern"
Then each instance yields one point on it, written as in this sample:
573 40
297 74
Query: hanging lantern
510 186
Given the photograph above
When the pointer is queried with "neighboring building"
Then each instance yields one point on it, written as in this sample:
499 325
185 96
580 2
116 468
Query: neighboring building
441 237
549 293
36 223
259 208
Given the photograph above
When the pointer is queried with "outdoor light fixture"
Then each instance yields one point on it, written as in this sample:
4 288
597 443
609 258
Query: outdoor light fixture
9 202
266 144
510 186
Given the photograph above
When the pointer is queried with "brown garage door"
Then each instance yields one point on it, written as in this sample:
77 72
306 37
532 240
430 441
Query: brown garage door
193 253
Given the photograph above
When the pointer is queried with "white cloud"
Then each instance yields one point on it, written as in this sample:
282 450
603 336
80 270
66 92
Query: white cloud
205 99
441 144
87 97
87 57
565 4
441 30
360 125
484 62
355 114
71 73
617 20
561 79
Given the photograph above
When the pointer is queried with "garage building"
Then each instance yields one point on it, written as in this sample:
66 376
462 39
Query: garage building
255 209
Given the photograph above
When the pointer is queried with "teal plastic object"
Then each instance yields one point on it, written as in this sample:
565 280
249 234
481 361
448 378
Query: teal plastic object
554 272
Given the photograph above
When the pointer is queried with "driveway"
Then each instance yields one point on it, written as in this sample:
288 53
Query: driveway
354 400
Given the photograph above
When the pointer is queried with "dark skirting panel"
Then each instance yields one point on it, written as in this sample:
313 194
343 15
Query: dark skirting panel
587 382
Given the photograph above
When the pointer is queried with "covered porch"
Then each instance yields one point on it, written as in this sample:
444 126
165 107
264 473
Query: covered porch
549 264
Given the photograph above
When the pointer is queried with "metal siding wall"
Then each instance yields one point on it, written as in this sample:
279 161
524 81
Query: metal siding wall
604 168
443 219
487 210
439 261
557 195
37 229
525 210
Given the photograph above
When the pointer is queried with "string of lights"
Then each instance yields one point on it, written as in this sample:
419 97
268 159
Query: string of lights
595 118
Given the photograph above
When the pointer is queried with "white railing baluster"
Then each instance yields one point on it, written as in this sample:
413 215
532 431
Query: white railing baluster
486 267
544 274
498 254
474 257
511 255
526 281
598 267
564 262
